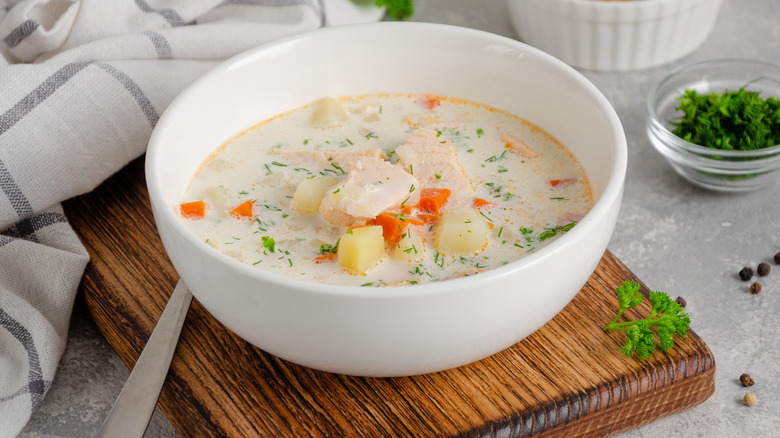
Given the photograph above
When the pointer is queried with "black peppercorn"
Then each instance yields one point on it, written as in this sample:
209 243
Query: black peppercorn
681 302
763 269
755 288
746 380
777 258
746 273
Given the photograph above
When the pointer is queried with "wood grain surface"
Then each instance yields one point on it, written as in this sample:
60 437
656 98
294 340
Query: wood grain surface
567 379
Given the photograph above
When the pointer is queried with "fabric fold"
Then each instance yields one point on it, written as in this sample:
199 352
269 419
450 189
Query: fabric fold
35 27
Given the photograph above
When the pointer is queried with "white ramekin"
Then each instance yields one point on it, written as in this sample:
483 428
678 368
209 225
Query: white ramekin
614 35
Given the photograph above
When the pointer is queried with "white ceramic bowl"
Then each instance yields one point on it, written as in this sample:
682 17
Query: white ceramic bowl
389 331
614 35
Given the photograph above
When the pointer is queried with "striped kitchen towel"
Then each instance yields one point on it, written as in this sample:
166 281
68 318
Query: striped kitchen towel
82 84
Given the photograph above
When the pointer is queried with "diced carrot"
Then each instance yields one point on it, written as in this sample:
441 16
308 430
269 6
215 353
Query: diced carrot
393 226
243 210
193 210
411 220
327 257
480 203
561 182
433 200
428 218
430 102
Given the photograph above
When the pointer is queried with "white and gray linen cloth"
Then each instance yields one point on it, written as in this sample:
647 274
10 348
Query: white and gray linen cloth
82 84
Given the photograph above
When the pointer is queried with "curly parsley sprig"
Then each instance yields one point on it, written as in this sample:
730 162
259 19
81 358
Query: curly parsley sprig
397 9
666 317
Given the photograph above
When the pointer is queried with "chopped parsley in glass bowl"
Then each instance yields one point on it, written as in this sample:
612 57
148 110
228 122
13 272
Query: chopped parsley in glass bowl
718 123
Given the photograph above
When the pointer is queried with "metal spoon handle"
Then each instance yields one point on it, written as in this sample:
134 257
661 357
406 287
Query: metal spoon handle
132 410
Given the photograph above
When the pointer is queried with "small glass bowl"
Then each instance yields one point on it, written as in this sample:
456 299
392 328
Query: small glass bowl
721 170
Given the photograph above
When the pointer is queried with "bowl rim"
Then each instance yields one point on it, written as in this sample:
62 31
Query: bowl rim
611 192
672 141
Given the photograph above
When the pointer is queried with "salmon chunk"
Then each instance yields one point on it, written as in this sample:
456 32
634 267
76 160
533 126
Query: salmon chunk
334 160
434 161
371 186
518 146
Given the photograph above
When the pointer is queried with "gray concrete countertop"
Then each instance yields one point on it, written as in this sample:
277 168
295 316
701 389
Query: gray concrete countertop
674 236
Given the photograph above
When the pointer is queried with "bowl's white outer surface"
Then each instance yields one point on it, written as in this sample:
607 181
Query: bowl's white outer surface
614 35
395 330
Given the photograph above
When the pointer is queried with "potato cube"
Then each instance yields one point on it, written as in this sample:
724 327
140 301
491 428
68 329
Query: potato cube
373 117
310 192
410 248
461 230
360 249
220 165
219 197
329 112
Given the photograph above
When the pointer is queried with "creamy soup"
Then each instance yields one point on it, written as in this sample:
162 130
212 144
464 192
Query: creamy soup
387 189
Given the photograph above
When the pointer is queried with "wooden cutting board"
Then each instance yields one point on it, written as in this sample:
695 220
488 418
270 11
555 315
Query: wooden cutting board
567 379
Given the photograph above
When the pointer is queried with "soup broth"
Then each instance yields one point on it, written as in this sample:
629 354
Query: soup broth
390 189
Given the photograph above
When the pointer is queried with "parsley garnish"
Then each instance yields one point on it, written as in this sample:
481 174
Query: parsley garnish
731 120
666 316
551 232
397 9
328 248
334 164
269 243
496 158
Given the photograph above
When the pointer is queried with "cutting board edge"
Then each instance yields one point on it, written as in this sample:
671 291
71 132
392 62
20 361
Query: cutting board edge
699 387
